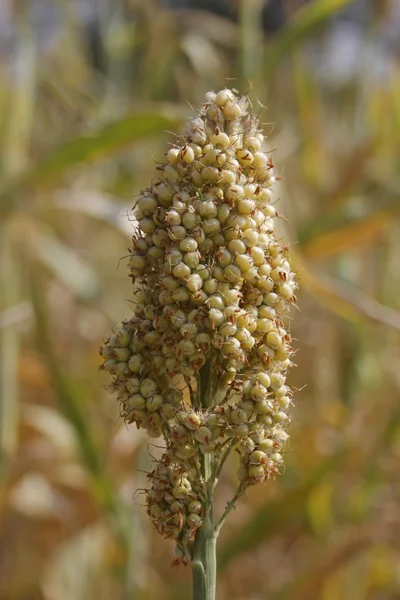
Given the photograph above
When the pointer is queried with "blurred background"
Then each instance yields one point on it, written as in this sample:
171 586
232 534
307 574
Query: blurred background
88 91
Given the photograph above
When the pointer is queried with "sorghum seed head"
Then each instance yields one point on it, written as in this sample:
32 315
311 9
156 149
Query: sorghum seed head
212 281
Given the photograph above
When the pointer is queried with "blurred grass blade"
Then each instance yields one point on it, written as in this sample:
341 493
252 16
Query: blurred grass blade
386 439
53 426
307 18
310 583
72 406
351 171
99 206
20 112
78 570
15 314
138 571
349 303
64 263
307 94
218 29
279 514
18 121
203 56
319 507
338 233
93 147
251 42
9 354
351 235
35 497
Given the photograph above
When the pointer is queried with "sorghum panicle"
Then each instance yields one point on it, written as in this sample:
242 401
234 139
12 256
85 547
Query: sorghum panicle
211 284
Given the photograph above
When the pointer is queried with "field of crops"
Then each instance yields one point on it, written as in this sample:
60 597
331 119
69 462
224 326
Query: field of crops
87 105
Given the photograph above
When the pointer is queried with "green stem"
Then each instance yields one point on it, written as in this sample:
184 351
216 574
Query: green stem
204 564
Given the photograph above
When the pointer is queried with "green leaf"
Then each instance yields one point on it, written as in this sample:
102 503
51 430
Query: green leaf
92 147
307 18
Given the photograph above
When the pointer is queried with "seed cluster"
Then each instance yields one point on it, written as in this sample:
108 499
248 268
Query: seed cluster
211 283
174 502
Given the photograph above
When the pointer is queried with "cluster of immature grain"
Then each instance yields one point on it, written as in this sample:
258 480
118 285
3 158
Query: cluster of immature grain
203 360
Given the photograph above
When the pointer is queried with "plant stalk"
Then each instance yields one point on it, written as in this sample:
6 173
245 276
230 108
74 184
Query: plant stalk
204 564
